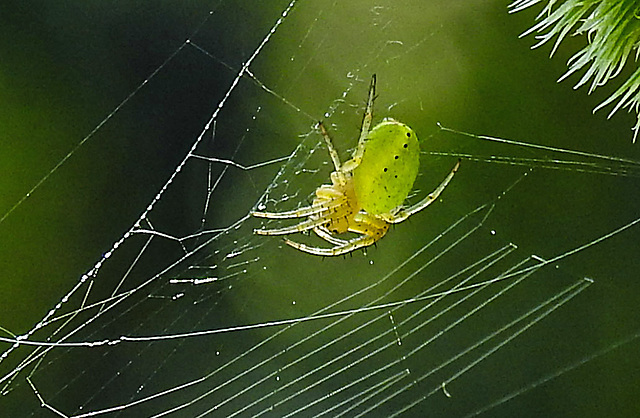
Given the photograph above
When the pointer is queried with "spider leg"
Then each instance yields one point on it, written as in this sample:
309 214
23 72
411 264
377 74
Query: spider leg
296 213
370 228
364 130
368 113
324 233
350 246
330 200
332 151
299 227
403 214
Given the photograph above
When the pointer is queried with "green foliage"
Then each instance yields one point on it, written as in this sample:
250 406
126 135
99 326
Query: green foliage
613 32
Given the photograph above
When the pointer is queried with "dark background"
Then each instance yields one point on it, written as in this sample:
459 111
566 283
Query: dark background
68 66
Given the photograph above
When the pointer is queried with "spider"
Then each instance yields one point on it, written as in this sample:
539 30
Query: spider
366 193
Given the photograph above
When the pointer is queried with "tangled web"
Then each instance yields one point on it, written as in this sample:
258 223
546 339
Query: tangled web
188 313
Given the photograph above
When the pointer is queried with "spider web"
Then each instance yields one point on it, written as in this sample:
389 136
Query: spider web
483 302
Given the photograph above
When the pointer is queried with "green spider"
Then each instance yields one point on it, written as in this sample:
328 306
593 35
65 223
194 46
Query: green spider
366 193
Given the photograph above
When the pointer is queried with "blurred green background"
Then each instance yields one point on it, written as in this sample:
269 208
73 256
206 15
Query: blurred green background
66 66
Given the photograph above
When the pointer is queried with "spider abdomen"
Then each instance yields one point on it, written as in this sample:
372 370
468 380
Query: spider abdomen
390 162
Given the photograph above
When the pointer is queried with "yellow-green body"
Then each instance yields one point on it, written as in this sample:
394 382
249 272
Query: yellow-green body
389 167
367 192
